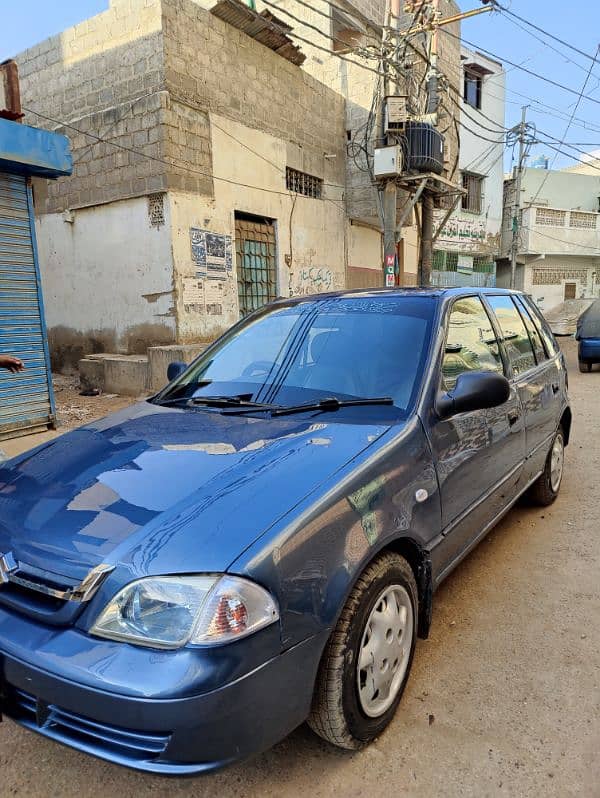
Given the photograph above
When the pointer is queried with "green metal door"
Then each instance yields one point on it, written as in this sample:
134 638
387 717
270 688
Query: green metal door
256 263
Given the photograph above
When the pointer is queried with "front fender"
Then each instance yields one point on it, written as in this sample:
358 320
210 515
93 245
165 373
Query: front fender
312 560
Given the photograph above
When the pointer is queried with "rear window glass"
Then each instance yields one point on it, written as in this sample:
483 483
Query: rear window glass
536 340
542 326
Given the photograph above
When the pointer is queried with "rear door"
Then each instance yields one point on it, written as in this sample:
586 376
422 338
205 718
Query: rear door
478 455
536 377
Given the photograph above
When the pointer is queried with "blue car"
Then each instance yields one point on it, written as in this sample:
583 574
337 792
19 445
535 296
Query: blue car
258 545
588 335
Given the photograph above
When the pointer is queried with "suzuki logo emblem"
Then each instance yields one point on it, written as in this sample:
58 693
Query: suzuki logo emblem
8 564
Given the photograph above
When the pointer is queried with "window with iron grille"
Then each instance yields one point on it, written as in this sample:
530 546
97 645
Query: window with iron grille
255 247
472 88
483 264
472 201
583 220
444 261
303 183
550 217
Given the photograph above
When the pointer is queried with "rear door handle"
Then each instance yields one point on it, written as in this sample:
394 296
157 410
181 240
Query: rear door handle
513 417
555 387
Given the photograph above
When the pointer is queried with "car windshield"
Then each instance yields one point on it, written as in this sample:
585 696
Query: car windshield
349 348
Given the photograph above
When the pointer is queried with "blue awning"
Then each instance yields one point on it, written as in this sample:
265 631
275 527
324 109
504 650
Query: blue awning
28 150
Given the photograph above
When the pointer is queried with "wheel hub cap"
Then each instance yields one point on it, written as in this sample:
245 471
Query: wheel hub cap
385 650
557 456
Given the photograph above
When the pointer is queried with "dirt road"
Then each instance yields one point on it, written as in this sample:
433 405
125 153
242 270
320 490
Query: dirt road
503 699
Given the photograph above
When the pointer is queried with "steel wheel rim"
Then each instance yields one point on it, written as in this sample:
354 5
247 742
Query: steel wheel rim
384 651
557 456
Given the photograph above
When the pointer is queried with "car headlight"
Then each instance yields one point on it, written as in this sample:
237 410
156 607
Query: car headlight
172 611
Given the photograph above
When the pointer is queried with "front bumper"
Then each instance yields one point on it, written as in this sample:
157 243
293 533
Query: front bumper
177 737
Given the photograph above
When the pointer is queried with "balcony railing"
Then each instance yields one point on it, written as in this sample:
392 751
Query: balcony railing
557 231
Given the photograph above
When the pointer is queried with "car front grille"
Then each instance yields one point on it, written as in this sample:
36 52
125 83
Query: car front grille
88 735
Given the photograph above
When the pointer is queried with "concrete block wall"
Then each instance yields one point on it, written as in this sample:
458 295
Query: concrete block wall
103 76
212 66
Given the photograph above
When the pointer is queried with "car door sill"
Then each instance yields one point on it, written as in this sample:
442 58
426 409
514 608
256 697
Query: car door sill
481 500
443 574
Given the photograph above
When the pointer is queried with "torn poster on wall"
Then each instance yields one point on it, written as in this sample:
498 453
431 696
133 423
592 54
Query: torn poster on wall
212 254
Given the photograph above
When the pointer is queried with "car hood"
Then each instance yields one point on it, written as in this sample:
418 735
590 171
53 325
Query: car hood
165 490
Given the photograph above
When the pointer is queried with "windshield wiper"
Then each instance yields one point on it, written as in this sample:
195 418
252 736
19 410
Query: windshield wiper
226 401
331 403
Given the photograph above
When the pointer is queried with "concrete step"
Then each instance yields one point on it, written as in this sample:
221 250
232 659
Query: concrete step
159 358
126 375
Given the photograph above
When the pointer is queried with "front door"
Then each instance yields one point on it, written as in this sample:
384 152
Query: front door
479 455
255 261
570 290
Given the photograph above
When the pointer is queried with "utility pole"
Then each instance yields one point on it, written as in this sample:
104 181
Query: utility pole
517 199
430 26
390 190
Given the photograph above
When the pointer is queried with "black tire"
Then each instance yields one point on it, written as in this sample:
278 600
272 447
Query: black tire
585 367
336 713
542 492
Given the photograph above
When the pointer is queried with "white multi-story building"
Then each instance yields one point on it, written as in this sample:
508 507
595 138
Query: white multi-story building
558 254
466 249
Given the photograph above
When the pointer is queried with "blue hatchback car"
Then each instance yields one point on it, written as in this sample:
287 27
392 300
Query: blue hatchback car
185 582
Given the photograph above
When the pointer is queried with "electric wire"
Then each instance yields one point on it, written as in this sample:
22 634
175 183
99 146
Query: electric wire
188 169
577 104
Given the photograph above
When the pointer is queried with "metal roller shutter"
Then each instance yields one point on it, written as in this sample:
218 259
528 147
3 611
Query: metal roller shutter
26 399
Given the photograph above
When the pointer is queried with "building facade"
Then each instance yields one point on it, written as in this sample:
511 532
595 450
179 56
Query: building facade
558 255
208 177
469 242
352 30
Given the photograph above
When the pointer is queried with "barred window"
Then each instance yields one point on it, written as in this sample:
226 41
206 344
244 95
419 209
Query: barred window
302 183
445 261
550 217
483 264
472 201
583 220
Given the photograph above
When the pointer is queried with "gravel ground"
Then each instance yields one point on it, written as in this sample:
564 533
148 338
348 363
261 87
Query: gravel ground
503 699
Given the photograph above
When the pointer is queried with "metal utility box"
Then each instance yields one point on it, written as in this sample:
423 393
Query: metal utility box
388 161
395 114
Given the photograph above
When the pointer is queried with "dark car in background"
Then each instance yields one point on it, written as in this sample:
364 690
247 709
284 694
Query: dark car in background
588 335
185 582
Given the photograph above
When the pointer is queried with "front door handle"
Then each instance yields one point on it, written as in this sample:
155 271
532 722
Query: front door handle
555 387
513 417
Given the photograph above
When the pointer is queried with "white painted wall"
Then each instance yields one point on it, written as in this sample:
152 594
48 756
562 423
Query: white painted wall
477 153
255 163
107 274
584 272
561 189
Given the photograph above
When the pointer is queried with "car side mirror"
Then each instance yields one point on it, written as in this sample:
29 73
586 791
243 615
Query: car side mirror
175 369
474 390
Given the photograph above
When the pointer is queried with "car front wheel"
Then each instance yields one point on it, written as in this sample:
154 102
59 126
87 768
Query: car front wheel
545 489
367 660
585 366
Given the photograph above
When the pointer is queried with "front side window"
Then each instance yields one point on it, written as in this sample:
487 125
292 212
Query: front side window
516 340
472 201
349 348
471 343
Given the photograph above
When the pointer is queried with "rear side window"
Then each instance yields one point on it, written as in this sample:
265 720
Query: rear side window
471 344
542 326
538 346
516 339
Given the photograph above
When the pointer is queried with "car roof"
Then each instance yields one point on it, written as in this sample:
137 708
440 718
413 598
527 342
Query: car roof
439 293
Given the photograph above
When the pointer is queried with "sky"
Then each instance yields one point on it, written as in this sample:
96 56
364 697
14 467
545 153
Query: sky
27 22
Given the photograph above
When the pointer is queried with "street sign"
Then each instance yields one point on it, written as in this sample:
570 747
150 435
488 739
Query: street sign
389 280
